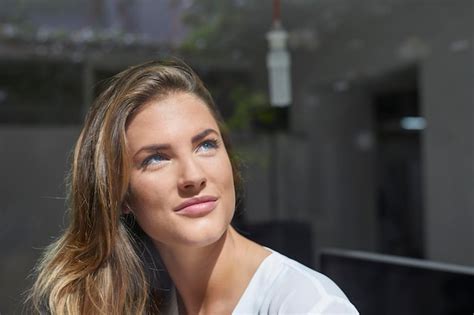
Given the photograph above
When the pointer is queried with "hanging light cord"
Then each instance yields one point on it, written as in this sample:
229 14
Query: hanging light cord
276 18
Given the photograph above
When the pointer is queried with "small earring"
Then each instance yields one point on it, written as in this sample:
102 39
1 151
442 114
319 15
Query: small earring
126 209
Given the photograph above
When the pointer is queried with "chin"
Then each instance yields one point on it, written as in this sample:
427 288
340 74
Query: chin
194 232
202 236
205 231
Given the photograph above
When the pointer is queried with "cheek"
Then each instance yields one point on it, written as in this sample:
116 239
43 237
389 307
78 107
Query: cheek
230 173
148 202
226 178
146 192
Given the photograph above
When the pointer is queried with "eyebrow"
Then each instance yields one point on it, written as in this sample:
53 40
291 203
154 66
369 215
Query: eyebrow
194 139
203 134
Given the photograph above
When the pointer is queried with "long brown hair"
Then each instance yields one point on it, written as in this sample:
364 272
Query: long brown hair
95 267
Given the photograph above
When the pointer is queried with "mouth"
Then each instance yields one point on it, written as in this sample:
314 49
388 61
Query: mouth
197 207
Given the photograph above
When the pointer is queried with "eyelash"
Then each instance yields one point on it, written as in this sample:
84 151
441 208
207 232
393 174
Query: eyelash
213 142
147 161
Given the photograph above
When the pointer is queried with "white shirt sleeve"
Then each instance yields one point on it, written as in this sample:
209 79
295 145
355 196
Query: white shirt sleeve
285 287
300 294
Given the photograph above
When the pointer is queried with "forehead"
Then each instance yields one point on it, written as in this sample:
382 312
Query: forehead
176 115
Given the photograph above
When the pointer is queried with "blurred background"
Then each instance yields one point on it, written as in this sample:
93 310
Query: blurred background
368 175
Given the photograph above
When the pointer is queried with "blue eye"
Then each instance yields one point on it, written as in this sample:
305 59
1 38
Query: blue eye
208 145
154 159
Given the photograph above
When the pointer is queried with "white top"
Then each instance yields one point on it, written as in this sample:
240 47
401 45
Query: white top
283 286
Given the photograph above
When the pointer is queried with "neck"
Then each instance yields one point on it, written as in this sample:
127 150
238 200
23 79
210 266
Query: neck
202 275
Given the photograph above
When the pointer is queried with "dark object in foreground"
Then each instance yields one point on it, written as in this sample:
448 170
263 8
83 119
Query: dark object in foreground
382 284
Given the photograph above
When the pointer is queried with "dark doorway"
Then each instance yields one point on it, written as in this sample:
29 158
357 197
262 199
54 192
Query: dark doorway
399 125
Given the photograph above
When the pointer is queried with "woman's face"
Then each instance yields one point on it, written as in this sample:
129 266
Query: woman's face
181 183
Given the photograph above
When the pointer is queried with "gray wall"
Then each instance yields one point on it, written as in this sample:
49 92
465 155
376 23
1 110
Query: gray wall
33 169
342 196
436 37
324 173
331 183
448 104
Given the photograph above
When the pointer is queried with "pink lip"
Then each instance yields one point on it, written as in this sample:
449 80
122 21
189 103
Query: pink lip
197 207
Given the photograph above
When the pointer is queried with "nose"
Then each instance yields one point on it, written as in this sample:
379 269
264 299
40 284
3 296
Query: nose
192 178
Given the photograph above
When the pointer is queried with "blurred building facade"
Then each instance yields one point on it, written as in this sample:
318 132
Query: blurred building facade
347 165
415 60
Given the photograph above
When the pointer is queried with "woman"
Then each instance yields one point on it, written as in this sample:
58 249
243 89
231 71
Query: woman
152 164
